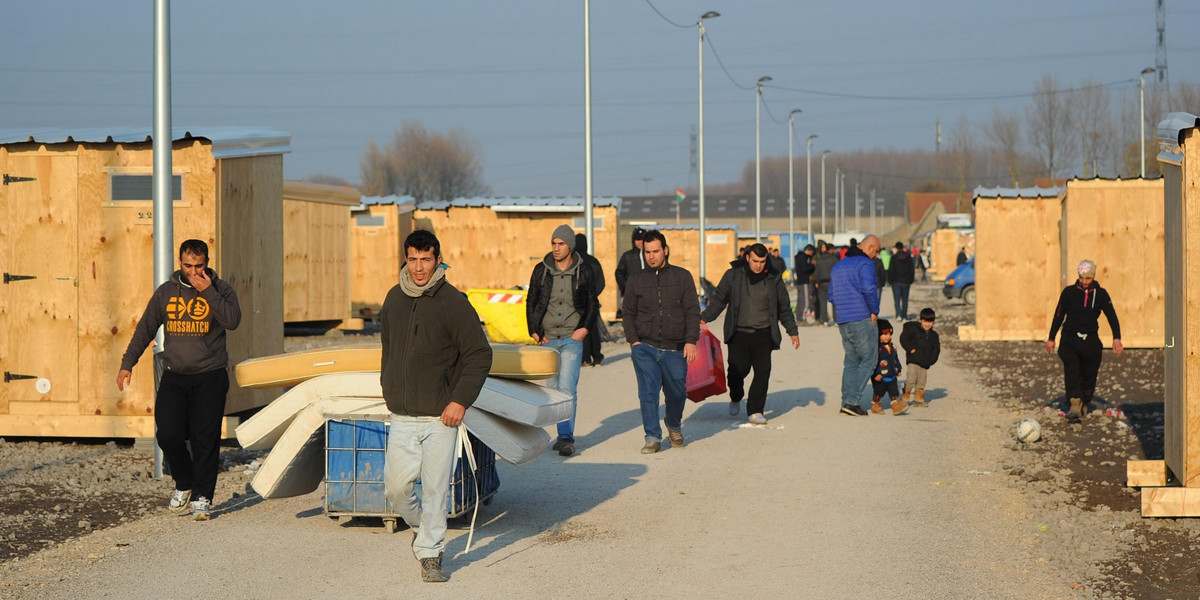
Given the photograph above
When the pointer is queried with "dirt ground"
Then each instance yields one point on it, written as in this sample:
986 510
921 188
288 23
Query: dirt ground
1085 523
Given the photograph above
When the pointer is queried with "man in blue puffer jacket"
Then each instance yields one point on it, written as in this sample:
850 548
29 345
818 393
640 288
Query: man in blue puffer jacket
856 305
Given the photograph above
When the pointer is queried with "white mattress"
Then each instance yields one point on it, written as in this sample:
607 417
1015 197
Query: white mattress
265 428
526 403
516 443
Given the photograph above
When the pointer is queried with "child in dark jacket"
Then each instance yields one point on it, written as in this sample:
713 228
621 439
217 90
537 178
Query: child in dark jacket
885 379
921 347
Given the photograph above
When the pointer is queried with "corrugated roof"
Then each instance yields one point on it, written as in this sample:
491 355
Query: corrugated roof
1027 192
393 199
692 227
1170 135
227 142
528 203
716 206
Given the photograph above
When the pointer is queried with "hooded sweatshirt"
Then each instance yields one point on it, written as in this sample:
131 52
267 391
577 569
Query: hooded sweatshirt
1079 308
194 325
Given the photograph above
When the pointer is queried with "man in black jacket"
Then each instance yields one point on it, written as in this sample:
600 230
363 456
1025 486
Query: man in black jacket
1078 313
592 352
803 269
560 306
195 308
758 302
435 360
901 274
662 324
631 262
827 257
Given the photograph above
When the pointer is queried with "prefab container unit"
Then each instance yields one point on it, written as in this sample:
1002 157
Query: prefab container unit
1017 263
722 248
1119 225
1179 141
76 247
944 245
378 226
316 251
495 242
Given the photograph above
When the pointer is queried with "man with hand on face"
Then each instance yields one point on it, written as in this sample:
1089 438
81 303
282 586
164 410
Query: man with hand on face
195 309
661 315
435 360
758 299
558 311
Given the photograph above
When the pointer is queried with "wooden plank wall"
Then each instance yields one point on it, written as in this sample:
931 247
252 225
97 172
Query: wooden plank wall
375 256
1119 226
487 249
1189 429
316 261
1018 255
250 242
943 252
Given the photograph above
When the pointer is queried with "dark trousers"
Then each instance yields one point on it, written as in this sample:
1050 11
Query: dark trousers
591 344
750 351
823 302
884 388
900 299
191 407
1081 363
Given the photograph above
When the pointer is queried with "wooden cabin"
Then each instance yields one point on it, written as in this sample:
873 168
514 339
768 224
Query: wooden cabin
76 249
316 251
722 248
495 242
378 227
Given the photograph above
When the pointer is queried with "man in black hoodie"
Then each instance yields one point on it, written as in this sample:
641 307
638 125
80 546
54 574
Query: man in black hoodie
592 353
195 309
803 269
758 303
1078 313
824 269
901 274
630 263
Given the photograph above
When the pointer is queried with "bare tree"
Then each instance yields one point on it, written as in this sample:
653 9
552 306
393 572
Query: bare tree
326 179
962 150
1185 96
1049 124
1005 130
426 166
1094 127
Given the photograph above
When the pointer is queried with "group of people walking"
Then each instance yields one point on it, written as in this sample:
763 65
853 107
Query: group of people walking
813 271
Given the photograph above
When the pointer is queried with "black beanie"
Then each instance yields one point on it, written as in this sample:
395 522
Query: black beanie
885 326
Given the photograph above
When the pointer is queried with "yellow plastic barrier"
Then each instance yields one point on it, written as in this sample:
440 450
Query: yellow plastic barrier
503 314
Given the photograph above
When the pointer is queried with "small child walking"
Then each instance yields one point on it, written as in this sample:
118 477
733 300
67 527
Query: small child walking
921 347
887 373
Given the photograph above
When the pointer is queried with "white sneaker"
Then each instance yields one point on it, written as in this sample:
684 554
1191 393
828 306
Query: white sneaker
735 408
200 508
179 501
758 419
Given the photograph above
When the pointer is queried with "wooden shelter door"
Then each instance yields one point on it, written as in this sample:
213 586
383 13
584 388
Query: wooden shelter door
39 296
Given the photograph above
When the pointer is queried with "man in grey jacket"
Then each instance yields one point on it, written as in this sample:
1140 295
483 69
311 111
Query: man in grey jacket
661 315
195 309
758 301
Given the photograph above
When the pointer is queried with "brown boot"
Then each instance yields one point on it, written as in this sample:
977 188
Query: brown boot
907 393
899 406
1076 411
876 406
919 399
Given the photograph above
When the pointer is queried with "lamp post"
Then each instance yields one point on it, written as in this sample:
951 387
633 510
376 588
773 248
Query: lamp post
791 196
700 140
758 159
842 186
1142 121
588 202
823 202
808 161
837 200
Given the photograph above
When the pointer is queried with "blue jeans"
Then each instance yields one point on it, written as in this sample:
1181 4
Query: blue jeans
421 448
660 369
900 298
860 340
570 355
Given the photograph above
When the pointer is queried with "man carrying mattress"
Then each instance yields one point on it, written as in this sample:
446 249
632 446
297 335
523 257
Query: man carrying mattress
435 360
561 305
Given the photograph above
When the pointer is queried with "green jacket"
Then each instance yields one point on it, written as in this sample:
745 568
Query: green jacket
434 351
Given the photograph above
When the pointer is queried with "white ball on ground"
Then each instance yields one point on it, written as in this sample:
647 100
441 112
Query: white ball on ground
1029 430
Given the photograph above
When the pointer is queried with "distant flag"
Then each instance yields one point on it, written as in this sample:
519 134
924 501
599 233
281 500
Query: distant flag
679 195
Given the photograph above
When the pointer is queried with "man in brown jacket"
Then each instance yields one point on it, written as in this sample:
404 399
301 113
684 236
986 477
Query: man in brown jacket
661 315
435 360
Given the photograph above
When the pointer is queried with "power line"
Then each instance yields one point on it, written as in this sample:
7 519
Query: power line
664 17
708 39
951 98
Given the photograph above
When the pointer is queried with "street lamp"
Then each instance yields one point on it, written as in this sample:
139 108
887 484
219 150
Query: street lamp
791 196
588 200
837 200
758 159
823 155
1142 103
700 140
808 161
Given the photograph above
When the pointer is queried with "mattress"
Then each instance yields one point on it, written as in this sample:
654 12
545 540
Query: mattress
523 402
511 361
263 430
516 443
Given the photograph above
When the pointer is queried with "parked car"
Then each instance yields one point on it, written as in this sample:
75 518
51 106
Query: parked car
961 282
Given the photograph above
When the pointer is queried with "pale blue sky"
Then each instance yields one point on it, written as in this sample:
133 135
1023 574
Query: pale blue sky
337 74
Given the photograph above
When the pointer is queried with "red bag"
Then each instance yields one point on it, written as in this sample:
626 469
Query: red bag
706 374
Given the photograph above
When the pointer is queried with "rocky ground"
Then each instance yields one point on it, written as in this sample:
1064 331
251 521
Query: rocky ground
1087 523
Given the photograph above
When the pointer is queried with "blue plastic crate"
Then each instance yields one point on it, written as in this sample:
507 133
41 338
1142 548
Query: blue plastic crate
355 452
